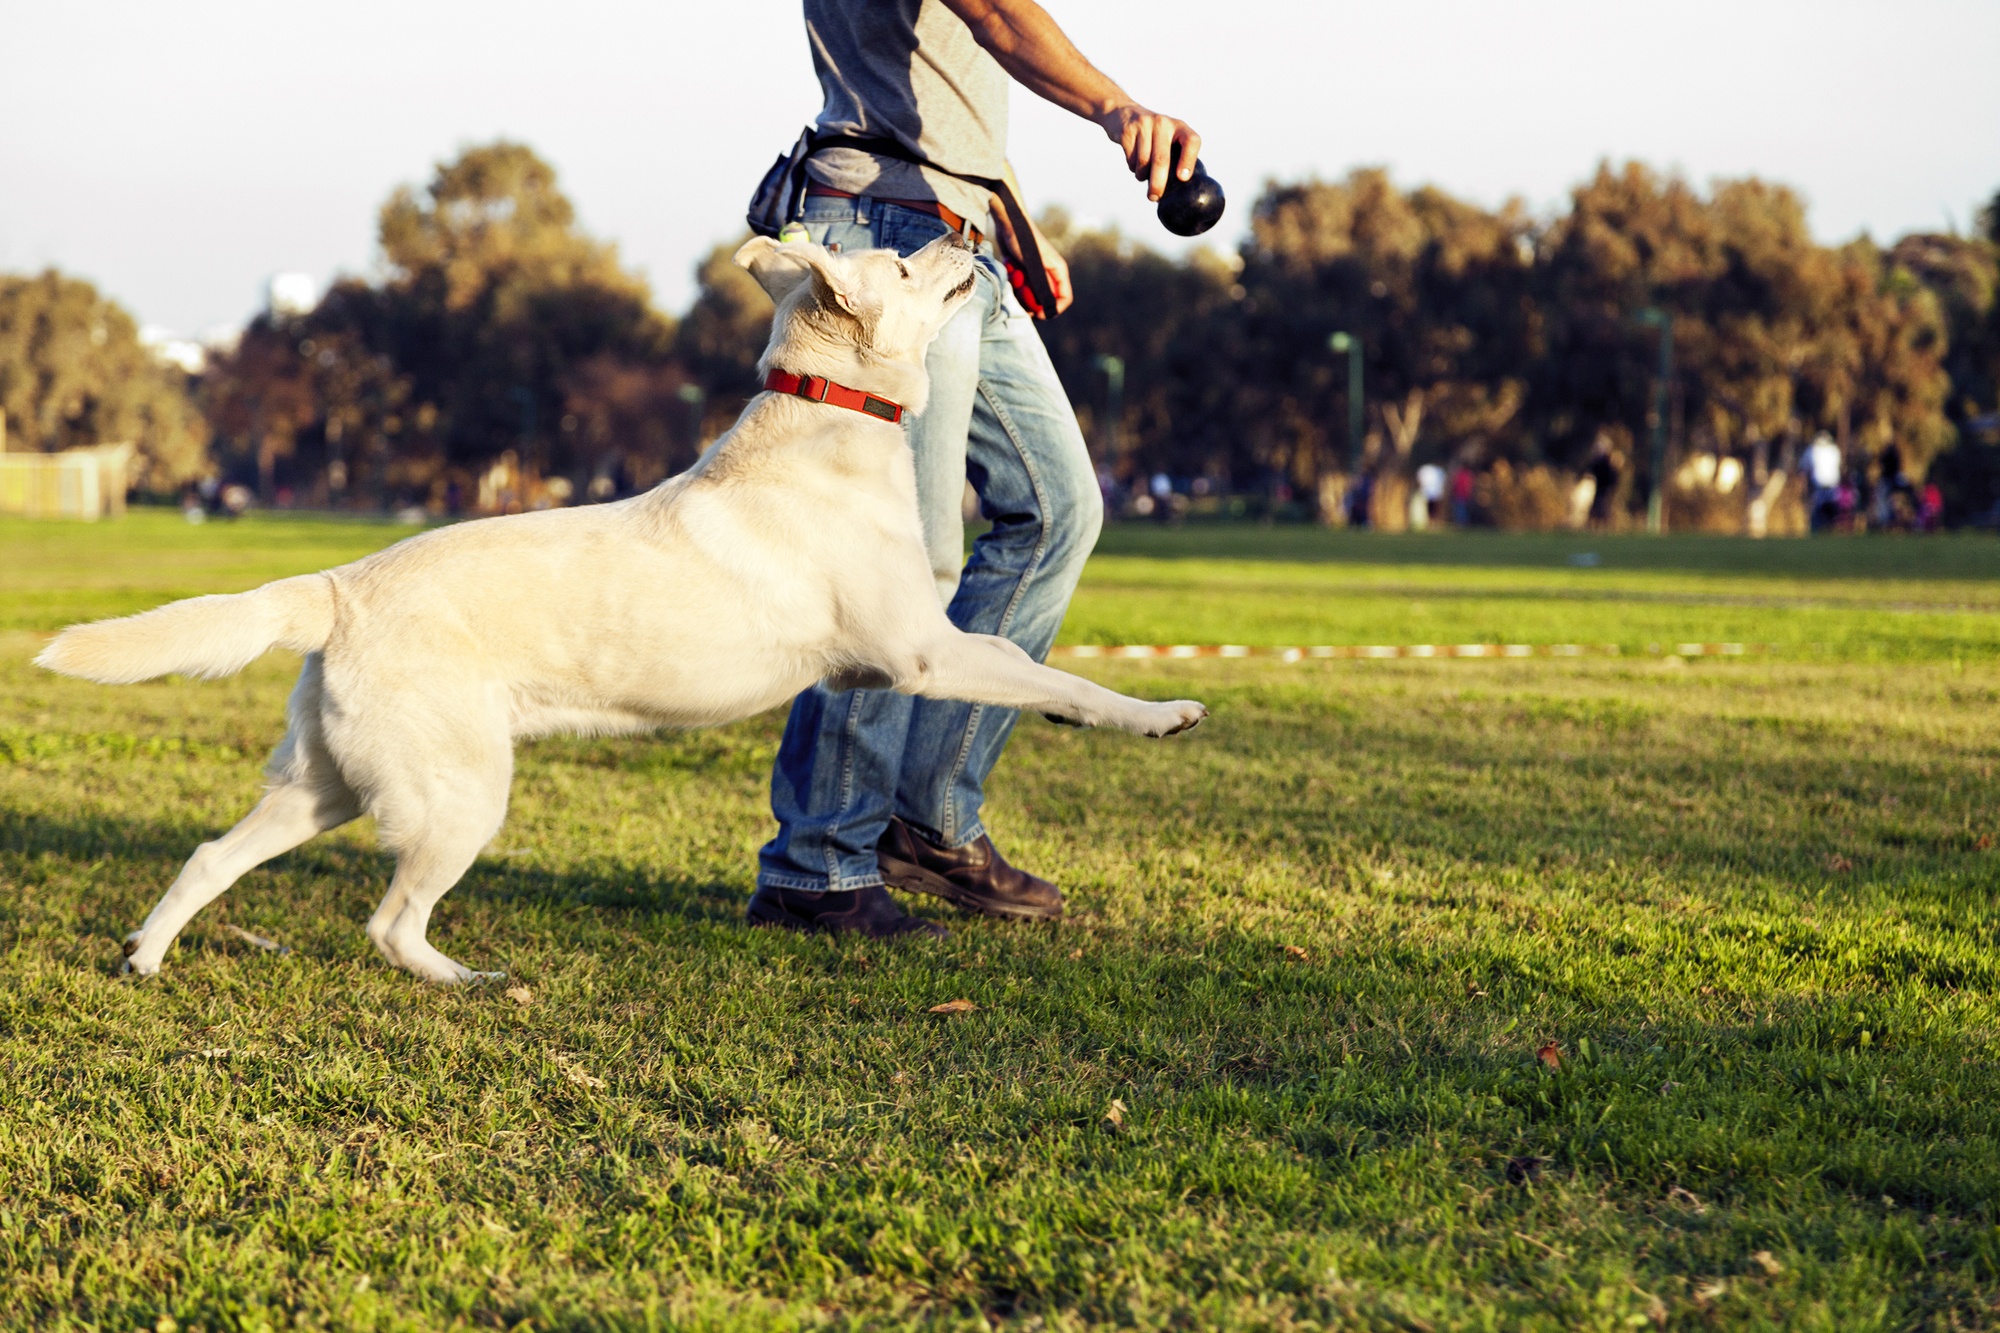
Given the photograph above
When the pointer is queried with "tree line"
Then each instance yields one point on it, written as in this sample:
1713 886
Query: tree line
504 358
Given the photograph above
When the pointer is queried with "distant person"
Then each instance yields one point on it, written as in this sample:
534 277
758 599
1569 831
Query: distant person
870 786
1895 498
1602 469
1930 510
1430 485
1462 482
1360 499
1822 469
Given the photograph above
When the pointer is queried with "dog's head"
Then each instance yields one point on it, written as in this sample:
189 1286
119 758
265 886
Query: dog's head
861 314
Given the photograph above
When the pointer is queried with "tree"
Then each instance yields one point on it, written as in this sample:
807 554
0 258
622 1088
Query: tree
1156 316
308 403
73 372
1882 377
1963 274
1439 292
494 297
1774 335
723 334
499 328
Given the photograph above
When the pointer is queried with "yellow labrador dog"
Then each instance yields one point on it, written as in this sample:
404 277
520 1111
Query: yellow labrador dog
791 552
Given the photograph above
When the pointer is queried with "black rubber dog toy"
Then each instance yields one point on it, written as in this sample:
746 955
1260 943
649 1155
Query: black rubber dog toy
1190 207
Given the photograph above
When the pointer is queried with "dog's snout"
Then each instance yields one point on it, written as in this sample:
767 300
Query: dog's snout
957 241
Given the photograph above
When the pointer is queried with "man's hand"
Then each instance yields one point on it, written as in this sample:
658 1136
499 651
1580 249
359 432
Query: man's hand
1052 261
1148 139
1058 270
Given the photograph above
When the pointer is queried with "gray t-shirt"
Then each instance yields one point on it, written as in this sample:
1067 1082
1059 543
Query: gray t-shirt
907 70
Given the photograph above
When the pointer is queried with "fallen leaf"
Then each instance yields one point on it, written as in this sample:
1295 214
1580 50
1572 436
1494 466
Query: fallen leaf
1838 864
215 1052
954 1007
1710 1291
1984 842
1767 1261
519 994
581 1079
1668 1087
1686 1198
1076 955
1656 1309
1521 1170
1297 954
258 941
1472 991
1550 1054
1115 1113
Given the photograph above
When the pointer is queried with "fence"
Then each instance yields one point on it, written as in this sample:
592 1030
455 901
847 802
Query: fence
86 483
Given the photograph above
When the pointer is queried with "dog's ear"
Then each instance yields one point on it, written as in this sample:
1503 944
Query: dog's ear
781 267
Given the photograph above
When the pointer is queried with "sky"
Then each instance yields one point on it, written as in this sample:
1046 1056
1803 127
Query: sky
178 154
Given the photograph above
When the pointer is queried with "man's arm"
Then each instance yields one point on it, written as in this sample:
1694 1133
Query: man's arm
1029 46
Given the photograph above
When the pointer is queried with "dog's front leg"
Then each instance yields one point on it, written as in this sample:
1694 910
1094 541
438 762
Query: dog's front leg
982 668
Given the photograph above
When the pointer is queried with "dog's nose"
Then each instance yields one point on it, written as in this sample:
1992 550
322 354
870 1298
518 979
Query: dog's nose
958 240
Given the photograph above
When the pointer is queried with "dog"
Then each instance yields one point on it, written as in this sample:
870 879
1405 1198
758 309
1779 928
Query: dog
790 552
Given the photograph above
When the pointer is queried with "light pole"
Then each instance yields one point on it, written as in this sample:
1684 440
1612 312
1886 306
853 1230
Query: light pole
1114 400
1656 502
695 397
1350 343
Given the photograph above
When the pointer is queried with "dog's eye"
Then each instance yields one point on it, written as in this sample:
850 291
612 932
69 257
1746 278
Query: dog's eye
902 268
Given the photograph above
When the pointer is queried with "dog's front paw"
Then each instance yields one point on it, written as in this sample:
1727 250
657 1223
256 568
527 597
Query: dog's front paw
1169 719
127 966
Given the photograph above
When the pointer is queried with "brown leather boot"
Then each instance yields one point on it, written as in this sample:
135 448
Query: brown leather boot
974 877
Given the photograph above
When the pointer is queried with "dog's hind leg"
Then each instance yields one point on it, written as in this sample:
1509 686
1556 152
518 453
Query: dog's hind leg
437 821
306 797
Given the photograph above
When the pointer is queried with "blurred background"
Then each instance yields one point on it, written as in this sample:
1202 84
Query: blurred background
1722 267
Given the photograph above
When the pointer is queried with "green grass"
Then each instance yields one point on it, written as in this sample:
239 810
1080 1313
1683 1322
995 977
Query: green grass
1313 949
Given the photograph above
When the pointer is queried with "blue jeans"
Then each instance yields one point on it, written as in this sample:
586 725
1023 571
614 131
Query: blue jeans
998 418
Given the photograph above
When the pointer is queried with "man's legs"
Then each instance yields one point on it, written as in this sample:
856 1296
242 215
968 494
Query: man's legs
835 778
998 416
1026 460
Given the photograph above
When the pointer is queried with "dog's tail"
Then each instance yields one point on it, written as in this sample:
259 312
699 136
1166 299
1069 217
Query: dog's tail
202 636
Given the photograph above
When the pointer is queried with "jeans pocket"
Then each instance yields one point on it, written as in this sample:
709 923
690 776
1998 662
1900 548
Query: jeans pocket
905 230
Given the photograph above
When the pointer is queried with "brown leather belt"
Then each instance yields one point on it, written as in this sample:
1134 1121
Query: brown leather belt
814 190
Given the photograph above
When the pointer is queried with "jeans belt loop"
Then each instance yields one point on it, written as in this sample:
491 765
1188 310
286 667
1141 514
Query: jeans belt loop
861 209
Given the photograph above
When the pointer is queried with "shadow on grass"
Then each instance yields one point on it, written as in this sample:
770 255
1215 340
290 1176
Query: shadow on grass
43 848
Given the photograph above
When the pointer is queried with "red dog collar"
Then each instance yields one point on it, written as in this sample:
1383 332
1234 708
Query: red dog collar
823 390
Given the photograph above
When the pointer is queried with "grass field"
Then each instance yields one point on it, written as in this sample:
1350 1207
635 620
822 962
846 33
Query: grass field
1279 1068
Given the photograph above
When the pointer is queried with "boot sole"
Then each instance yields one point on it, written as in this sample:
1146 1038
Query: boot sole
763 915
909 878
